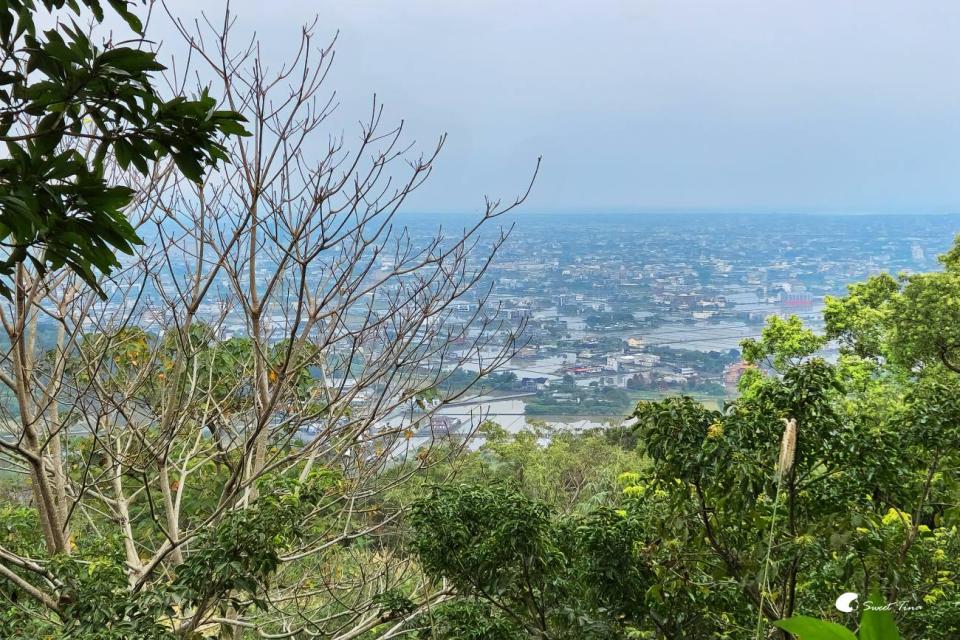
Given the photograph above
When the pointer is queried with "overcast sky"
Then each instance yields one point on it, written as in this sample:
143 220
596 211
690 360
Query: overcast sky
654 105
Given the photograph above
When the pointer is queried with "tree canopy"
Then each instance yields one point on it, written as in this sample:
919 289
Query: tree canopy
72 113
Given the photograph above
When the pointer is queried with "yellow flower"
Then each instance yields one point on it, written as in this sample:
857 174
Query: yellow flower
715 431
635 491
804 540
895 517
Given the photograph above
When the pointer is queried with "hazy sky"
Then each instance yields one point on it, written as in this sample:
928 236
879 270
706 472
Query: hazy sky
768 105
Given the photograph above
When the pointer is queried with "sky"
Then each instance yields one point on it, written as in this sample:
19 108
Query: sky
651 105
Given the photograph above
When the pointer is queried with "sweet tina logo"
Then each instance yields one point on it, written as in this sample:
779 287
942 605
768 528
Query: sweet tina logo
845 601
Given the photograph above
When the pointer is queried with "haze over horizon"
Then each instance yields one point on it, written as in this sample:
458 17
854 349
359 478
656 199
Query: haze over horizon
653 105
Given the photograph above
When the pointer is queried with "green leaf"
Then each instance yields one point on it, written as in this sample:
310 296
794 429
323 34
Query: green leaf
121 7
876 623
130 60
807 628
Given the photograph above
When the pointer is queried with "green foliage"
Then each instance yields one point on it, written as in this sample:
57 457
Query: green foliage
221 369
498 539
94 599
572 473
232 563
60 92
669 431
805 627
611 319
860 321
17 527
785 341
527 570
96 603
235 560
864 460
471 620
913 321
568 399
876 623
704 362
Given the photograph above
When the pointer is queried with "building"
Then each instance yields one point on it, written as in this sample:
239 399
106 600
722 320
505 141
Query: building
440 426
733 372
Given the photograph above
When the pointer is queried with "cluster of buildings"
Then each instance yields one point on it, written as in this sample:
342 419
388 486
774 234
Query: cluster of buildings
645 302
642 303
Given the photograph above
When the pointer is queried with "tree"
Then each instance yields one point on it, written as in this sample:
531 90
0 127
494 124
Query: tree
818 476
523 571
911 320
204 451
727 522
69 108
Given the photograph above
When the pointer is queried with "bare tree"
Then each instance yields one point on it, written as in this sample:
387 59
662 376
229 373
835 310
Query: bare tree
271 353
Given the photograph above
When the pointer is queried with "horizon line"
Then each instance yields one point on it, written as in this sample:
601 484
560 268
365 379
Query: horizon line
685 212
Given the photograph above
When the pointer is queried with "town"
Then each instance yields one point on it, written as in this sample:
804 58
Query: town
612 309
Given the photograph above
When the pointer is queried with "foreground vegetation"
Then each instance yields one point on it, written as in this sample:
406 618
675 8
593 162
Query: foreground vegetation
819 478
